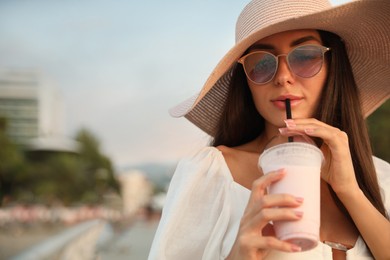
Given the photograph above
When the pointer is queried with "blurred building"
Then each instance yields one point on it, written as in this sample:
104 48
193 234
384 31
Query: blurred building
136 191
34 111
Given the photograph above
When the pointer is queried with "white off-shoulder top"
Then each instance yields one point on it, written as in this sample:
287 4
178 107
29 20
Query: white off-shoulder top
204 206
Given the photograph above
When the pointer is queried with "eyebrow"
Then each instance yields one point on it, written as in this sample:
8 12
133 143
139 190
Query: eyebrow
292 44
303 39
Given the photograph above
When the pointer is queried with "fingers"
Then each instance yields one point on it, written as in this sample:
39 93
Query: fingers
256 235
280 200
266 215
335 138
258 220
309 126
259 187
263 208
338 170
268 243
276 244
279 207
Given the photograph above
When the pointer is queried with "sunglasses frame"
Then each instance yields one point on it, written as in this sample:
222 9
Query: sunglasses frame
243 58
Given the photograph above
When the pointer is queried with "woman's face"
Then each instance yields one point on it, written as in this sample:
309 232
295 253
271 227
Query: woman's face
304 93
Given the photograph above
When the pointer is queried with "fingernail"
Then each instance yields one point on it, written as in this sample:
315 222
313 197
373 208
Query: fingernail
298 213
295 248
281 171
309 130
283 130
299 199
290 123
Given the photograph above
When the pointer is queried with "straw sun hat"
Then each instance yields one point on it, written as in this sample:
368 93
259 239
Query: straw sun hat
364 26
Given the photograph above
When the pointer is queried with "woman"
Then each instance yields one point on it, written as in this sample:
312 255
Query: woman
336 74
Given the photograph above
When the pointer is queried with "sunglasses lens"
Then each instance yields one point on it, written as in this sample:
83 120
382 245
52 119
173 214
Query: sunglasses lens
306 61
260 67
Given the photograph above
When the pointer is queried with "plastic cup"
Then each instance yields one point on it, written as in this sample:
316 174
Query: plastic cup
302 162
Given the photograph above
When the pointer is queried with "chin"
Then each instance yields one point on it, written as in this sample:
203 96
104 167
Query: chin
279 123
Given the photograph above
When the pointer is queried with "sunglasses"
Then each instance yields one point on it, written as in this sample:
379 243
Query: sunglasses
304 61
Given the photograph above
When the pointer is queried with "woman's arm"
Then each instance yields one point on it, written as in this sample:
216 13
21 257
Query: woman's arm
372 225
340 174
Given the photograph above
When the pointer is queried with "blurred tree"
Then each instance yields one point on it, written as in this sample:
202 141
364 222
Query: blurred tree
52 176
97 168
11 162
55 177
379 130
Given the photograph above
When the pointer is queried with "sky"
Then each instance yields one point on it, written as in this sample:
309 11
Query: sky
120 65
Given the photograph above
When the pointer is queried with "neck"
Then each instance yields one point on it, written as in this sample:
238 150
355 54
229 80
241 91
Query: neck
262 140
271 130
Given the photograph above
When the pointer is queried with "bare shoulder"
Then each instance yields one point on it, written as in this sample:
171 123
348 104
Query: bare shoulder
227 152
242 163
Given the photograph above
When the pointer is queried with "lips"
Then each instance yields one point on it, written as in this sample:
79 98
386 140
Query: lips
280 102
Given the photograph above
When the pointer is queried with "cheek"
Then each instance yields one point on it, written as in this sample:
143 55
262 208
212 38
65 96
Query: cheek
322 81
317 91
260 99
258 95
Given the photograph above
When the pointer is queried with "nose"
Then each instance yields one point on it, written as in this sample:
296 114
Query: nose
283 75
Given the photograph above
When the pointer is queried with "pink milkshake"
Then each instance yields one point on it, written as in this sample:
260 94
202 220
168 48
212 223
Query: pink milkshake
302 162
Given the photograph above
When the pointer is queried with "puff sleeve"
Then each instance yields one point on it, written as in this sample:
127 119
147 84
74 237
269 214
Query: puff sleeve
196 219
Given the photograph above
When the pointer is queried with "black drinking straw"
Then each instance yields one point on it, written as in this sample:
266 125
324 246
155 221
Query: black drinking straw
289 116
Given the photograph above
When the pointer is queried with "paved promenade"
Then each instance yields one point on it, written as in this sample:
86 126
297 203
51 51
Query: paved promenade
133 244
94 239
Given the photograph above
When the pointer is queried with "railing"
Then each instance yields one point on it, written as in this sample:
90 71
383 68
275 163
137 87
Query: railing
78 242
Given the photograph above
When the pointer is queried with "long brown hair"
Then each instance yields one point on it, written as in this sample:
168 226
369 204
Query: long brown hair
340 107
240 122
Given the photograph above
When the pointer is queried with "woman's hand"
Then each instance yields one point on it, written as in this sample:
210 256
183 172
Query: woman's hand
338 169
256 236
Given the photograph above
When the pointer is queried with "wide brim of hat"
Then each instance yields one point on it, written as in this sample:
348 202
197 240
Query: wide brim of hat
364 27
